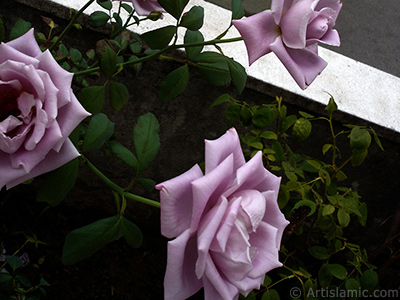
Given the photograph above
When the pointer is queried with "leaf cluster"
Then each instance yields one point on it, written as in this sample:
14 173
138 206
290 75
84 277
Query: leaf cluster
311 195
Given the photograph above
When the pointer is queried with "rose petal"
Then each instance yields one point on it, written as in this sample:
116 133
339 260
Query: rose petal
27 75
258 32
274 216
207 189
335 5
60 78
249 175
26 44
267 250
215 286
279 8
145 7
7 52
30 159
235 263
206 232
253 207
11 176
69 116
39 128
303 64
218 150
221 238
294 24
180 281
176 202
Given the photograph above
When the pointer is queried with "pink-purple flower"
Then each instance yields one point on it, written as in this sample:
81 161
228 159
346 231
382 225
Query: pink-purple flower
292 29
226 223
144 7
38 111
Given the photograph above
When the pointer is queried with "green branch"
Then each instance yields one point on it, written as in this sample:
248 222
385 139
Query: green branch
158 53
67 29
119 189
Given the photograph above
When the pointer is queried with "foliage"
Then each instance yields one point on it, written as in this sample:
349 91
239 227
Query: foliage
315 250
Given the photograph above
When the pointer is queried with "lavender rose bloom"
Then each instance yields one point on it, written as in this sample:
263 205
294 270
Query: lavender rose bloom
38 111
144 7
227 224
292 29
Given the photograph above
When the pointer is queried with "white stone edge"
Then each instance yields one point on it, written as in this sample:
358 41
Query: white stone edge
359 90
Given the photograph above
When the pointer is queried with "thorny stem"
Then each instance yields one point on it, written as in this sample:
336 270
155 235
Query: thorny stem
67 29
119 189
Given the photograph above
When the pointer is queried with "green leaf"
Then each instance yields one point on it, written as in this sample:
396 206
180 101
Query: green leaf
326 148
315 164
159 38
127 7
271 294
369 280
263 117
307 203
324 276
358 158
221 99
131 232
192 37
343 217
119 95
306 115
209 57
331 107
319 252
124 154
245 115
237 9
193 20
118 20
283 196
174 83
100 129
2 31
75 55
269 135
376 139
338 271
92 98
58 183
216 73
14 262
98 19
174 7
301 129
238 75
146 140
364 213
106 4
81 243
360 140
232 113
352 286
328 210
287 122
147 184
108 62
20 28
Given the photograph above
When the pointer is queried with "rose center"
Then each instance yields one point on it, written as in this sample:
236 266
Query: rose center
8 102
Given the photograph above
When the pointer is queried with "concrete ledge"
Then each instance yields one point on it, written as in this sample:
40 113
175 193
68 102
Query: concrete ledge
360 90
